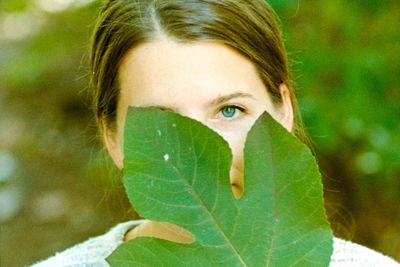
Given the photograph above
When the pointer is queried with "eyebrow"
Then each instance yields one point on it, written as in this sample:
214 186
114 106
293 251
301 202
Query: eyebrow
214 102
225 98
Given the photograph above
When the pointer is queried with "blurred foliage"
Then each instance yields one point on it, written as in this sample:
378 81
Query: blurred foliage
60 191
345 61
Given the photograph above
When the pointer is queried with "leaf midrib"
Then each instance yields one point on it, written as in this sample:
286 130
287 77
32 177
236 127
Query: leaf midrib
271 243
195 194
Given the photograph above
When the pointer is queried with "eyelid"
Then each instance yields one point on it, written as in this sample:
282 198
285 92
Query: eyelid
240 107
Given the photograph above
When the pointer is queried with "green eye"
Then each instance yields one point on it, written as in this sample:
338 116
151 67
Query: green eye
230 111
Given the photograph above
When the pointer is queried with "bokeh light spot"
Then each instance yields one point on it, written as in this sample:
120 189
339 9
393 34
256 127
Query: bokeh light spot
369 162
7 165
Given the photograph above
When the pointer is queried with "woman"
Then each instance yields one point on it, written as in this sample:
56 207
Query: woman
221 62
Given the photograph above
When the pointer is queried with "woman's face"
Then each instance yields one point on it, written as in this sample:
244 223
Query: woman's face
205 81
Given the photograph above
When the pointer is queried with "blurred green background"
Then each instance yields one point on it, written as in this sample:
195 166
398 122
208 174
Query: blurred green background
58 189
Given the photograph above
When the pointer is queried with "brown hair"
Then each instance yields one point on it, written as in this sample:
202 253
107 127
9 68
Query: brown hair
248 26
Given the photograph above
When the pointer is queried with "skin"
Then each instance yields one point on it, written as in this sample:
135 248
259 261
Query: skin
205 81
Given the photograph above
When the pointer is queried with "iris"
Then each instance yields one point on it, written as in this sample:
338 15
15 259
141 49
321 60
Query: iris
228 111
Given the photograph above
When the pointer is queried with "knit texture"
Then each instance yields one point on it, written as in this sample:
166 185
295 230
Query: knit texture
94 251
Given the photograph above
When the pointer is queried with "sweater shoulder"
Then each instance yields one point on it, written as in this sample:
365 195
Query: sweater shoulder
93 251
346 253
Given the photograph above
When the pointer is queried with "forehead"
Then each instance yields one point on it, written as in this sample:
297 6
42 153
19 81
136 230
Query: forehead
167 71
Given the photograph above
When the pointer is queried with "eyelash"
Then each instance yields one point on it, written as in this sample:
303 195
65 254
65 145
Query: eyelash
237 108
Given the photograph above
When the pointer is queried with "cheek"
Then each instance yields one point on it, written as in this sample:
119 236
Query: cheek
235 139
236 178
236 142
237 147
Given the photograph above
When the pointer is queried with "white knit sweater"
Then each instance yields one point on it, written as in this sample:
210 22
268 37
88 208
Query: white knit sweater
94 251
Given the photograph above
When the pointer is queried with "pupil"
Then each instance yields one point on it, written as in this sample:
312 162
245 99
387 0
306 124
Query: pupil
228 112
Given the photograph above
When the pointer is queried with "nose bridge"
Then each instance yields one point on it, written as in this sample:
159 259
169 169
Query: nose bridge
193 111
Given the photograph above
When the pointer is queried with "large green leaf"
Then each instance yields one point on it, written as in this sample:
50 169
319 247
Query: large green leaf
177 170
